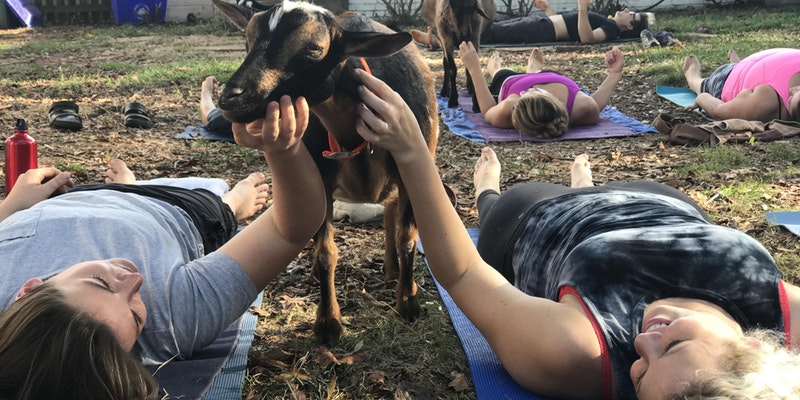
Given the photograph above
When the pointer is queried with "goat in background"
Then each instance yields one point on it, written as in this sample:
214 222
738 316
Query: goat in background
453 22
301 49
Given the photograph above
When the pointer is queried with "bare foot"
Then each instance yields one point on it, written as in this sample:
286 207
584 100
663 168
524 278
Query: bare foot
494 64
248 196
207 90
581 172
535 61
118 172
691 70
421 37
487 172
733 57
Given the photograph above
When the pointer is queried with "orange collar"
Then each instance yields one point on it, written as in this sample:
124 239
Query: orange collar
336 152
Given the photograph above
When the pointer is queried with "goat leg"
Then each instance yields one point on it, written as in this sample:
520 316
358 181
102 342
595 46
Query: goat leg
328 325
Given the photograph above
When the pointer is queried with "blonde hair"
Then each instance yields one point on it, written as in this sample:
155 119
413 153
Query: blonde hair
541 117
759 367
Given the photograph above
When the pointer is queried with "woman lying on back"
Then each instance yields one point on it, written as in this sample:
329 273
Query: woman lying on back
621 291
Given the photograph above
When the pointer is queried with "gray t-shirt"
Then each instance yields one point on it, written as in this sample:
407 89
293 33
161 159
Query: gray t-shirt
190 298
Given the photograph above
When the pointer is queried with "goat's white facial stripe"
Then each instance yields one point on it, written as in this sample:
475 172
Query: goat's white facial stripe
276 17
308 7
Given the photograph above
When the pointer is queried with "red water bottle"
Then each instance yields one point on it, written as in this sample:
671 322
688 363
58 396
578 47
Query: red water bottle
21 154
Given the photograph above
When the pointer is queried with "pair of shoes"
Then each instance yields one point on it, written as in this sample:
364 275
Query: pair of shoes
648 39
64 115
136 116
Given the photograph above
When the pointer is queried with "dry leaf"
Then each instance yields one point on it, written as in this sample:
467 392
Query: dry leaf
459 383
258 311
325 358
376 377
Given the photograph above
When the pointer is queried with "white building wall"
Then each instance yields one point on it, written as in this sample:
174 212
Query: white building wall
177 10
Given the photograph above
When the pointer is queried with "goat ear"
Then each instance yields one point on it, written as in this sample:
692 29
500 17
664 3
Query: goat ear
374 44
238 15
483 13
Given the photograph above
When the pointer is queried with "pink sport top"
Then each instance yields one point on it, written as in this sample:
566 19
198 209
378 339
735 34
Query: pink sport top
772 67
518 84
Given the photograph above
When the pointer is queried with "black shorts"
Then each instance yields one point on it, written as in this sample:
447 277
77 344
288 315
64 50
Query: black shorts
212 217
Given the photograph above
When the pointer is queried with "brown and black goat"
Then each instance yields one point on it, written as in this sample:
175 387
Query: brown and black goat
453 22
301 49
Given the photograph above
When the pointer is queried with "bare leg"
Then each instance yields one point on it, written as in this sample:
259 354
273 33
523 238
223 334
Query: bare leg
207 98
581 172
487 172
494 64
535 61
248 196
118 172
733 56
691 70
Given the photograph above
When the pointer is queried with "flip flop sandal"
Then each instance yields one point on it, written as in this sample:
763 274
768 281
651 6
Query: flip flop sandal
136 116
64 115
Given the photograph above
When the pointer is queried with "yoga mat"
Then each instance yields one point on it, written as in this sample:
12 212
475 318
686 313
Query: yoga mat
199 131
787 219
683 97
490 378
470 125
216 372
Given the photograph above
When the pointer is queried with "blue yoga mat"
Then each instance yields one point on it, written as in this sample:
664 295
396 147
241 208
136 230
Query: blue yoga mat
217 372
787 219
683 97
490 378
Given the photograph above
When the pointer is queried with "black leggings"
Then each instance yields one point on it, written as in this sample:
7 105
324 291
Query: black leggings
502 216
212 217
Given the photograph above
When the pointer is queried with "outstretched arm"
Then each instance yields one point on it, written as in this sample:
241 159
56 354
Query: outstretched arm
615 61
274 239
586 110
585 31
759 104
32 187
498 115
546 346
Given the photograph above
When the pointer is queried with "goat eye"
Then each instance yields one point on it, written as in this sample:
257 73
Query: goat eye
313 51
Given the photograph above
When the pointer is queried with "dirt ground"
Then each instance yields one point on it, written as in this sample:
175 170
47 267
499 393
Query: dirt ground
154 153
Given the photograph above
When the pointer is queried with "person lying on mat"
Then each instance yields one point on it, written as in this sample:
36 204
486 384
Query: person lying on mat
546 26
760 87
93 279
538 103
617 291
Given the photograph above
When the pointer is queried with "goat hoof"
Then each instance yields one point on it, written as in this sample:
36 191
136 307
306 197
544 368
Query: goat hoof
409 308
327 331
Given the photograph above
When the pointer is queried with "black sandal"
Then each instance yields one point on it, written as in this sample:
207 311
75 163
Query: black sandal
136 116
64 115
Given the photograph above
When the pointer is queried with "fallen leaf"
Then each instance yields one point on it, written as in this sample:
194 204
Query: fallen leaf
459 383
258 311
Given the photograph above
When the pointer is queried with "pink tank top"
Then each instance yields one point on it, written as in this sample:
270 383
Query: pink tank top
772 67
518 84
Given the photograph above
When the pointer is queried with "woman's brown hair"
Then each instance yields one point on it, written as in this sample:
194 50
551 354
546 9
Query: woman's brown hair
50 349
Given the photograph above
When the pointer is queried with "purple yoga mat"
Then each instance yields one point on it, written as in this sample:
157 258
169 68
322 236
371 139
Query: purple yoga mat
606 128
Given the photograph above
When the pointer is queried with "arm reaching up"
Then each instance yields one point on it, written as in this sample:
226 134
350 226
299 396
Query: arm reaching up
274 239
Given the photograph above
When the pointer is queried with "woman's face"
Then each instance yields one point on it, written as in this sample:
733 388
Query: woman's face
109 291
680 339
